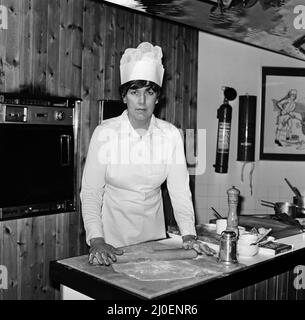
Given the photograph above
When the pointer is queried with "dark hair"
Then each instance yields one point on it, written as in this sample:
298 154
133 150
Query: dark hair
137 84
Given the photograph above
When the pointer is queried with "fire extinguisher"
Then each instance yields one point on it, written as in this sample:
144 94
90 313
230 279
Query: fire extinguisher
224 116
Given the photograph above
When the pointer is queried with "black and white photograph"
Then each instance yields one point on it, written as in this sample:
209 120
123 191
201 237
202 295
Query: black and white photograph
152 154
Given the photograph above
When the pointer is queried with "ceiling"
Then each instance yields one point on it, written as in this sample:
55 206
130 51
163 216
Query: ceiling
268 24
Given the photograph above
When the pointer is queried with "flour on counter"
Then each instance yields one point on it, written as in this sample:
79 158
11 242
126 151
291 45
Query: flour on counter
160 270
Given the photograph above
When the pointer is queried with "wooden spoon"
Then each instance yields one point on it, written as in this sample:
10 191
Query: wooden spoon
261 237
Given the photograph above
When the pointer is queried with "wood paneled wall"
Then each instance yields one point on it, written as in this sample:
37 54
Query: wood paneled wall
72 48
279 287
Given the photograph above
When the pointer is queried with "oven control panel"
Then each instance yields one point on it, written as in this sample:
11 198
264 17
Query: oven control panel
36 115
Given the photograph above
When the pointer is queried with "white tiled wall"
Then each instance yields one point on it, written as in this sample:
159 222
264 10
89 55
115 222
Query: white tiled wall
215 195
226 63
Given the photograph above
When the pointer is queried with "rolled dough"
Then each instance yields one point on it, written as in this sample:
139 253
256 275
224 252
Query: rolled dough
159 270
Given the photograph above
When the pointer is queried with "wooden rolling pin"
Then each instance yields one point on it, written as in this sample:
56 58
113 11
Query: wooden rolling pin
163 255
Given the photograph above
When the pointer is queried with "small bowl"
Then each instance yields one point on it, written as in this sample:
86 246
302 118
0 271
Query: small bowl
247 250
241 230
247 238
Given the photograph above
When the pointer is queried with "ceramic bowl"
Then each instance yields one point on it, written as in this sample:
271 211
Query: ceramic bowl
247 238
247 250
241 230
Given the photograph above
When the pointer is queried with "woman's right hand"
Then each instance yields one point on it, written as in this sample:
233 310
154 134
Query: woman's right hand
102 253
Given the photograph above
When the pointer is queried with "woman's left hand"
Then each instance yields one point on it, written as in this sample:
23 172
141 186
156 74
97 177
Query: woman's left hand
190 242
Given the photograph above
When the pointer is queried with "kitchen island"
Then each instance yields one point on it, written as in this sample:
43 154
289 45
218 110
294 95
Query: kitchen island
216 280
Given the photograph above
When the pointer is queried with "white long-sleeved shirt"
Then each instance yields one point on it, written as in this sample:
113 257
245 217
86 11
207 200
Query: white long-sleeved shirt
121 196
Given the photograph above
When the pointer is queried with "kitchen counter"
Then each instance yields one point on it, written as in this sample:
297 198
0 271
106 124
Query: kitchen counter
101 282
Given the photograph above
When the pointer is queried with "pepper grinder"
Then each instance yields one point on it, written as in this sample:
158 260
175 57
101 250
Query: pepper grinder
232 220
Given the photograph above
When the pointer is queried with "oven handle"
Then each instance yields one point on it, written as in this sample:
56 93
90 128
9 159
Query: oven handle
65 160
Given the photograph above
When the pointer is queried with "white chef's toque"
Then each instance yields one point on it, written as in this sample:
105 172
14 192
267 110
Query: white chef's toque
142 63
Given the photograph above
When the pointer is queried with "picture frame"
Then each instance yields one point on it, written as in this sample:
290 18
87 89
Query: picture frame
282 135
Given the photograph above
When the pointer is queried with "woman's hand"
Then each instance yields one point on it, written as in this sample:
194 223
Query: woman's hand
190 242
102 253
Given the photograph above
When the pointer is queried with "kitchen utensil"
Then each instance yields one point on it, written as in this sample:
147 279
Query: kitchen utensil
260 238
227 248
288 208
159 254
300 202
267 203
294 189
218 215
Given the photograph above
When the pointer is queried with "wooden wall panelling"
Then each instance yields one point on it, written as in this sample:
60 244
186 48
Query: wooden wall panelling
237 295
172 85
96 78
23 259
249 293
75 230
28 260
76 47
3 41
38 262
261 290
161 37
39 57
65 54
279 287
49 254
90 60
112 79
291 295
26 46
10 257
12 58
1 254
271 288
62 236
169 92
52 76
282 286
178 74
119 47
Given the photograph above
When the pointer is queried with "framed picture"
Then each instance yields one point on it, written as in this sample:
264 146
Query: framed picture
283 114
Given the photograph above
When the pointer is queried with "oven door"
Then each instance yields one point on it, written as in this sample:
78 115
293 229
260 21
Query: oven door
37 164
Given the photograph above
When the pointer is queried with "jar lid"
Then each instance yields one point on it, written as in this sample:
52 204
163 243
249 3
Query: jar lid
228 234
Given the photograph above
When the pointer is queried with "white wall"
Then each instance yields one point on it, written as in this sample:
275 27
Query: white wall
224 62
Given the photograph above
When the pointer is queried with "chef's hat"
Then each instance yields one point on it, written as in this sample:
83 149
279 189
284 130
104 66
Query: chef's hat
142 63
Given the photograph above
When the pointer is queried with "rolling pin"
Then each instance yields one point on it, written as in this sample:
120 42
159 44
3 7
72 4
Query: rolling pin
161 255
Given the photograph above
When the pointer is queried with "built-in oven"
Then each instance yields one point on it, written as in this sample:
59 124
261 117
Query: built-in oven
37 156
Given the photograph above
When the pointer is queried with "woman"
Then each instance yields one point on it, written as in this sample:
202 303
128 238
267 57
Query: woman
129 157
